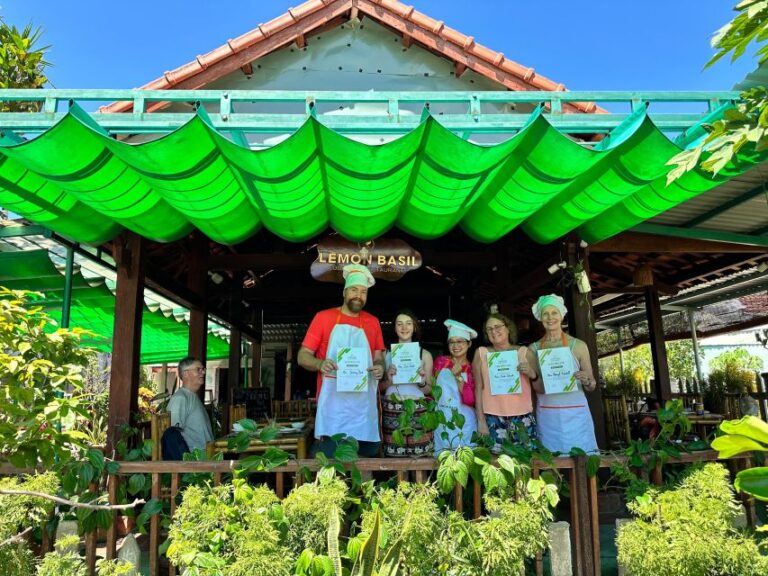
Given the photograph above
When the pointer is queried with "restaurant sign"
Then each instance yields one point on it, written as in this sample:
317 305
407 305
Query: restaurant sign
387 259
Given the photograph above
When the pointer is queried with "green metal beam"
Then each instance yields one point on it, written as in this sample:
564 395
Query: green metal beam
732 203
228 110
20 231
700 234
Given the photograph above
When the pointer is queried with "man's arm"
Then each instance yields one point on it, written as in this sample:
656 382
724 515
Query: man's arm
307 360
177 408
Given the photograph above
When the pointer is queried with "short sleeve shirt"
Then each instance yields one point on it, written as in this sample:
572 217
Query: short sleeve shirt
319 333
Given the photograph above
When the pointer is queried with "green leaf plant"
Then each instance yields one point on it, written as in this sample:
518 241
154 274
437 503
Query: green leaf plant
744 127
645 455
749 434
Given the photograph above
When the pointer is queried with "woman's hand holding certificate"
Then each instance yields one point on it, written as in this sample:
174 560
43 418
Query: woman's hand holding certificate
503 373
557 370
406 358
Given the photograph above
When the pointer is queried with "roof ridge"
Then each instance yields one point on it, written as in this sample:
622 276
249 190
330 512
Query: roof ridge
434 34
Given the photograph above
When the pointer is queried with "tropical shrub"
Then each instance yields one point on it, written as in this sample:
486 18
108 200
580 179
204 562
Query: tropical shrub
19 513
689 531
498 544
40 372
228 529
748 434
408 513
308 510
63 560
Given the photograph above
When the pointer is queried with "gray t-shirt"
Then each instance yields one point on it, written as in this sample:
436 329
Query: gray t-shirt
188 412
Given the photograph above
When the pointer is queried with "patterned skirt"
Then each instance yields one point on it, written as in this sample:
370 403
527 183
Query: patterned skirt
392 408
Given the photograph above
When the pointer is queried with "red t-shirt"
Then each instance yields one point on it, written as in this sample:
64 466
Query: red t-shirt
319 333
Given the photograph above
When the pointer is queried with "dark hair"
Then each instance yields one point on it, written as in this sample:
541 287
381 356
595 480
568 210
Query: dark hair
416 324
186 362
511 328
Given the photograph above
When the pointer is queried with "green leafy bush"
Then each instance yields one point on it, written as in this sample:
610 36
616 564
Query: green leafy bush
308 511
228 529
40 373
688 531
63 560
410 513
20 512
498 544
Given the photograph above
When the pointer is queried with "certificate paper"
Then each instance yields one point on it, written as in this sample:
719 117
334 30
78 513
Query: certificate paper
557 370
352 369
407 359
502 370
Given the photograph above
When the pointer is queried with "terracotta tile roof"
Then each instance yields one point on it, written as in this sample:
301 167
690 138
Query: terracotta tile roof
297 22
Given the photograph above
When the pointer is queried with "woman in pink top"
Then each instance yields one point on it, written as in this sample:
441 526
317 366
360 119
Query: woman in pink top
505 416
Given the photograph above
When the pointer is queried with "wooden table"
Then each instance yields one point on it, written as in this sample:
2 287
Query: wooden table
294 442
702 422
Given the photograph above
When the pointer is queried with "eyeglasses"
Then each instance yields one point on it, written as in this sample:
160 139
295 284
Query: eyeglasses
458 343
495 328
199 369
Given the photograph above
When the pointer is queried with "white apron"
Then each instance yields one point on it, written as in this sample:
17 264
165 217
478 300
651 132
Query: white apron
355 414
563 420
450 399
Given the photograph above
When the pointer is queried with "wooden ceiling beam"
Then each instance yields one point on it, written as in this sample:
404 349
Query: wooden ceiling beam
641 242
247 69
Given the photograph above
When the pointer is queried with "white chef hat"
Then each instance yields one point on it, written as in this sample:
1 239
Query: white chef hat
549 300
357 275
458 330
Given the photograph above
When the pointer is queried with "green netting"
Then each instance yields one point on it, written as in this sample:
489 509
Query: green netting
83 184
163 337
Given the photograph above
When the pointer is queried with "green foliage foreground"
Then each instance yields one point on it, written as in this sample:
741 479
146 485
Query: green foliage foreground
689 531
321 529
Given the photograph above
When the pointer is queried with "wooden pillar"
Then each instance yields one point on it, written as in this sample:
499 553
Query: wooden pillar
126 341
234 373
197 281
663 386
288 372
256 364
581 324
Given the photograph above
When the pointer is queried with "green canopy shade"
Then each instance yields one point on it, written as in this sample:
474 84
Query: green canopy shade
79 182
163 337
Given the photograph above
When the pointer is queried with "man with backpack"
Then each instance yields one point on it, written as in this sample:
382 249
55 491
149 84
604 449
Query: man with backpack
187 411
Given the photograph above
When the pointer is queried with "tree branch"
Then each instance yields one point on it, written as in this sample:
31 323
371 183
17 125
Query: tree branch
18 538
72 503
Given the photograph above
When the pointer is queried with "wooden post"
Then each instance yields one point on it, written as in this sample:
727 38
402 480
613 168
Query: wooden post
256 365
235 346
126 341
197 281
585 551
658 349
288 380
581 325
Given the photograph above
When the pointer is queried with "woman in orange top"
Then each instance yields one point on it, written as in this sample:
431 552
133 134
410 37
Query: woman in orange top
505 416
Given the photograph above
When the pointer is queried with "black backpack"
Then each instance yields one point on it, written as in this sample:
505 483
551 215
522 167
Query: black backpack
173 444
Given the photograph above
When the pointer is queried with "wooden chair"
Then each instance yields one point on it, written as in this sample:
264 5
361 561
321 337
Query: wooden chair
732 406
292 408
616 420
237 412
159 424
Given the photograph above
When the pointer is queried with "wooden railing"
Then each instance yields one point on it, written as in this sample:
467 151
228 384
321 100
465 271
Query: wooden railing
583 511
585 535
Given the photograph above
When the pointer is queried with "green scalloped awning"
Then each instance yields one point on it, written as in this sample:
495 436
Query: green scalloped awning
163 337
87 186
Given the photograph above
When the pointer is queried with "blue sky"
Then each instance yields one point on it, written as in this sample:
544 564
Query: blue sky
593 45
